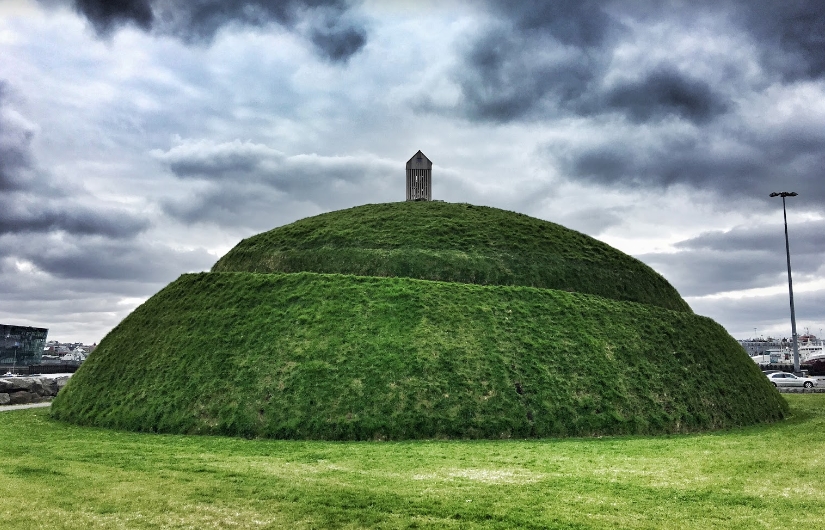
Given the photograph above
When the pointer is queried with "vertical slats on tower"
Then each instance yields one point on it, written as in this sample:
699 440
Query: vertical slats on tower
419 178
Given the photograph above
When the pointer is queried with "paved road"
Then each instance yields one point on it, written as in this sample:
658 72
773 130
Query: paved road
4 408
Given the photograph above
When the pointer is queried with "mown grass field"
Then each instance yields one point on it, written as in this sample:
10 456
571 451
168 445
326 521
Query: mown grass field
56 475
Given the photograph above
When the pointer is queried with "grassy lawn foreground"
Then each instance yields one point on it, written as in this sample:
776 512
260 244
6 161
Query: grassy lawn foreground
55 475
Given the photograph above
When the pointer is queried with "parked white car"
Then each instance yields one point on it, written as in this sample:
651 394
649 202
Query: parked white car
786 379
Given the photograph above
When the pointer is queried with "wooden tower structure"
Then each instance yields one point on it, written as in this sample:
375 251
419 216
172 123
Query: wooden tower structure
419 178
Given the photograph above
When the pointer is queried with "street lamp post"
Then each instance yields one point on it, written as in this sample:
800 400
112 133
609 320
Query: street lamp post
755 346
784 194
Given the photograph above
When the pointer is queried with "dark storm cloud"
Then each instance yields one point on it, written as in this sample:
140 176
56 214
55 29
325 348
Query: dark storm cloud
211 161
502 82
789 35
745 257
540 57
792 34
338 40
663 161
108 15
51 232
742 315
241 183
335 34
239 163
22 287
580 23
32 202
703 272
223 205
807 237
94 257
15 144
42 217
550 59
665 91
118 260
732 160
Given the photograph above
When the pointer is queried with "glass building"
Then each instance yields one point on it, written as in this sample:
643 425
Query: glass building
21 345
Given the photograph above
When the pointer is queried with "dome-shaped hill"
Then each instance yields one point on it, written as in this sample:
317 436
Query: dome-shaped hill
315 356
453 243
282 348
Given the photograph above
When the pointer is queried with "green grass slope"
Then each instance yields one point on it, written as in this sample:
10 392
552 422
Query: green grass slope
452 243
317 356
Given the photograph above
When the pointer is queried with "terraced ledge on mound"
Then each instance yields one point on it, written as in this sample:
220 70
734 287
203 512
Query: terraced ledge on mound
453 243
320 356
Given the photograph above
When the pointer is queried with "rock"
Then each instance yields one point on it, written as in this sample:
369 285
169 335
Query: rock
49 387
22 397
23 383
4 398
42 386
35 386
61 381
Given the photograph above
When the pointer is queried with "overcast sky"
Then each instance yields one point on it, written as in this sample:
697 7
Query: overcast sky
142 139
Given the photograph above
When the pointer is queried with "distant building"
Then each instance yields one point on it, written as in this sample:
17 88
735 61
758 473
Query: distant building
21 345
419 178
760 346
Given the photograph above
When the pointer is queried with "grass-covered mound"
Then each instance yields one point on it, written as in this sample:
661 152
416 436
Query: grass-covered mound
322 356
452 243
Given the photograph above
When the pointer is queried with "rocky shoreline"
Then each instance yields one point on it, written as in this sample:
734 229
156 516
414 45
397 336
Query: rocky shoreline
33 389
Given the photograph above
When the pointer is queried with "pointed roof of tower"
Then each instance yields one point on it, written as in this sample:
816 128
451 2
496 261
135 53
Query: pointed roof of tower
419 161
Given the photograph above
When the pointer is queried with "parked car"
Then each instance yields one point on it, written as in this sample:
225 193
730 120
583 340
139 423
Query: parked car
786 379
